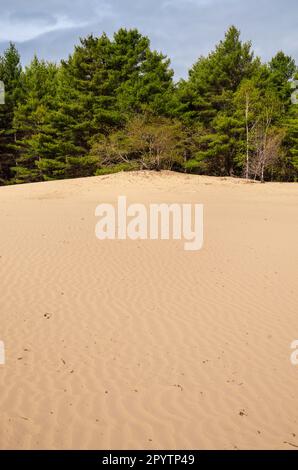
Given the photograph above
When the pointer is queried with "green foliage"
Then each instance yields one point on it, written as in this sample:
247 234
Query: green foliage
236 100
146 142
31 119
10 73
214 79
282 69
291 141
113 106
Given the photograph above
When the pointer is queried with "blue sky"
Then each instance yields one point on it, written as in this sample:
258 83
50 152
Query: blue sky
182 29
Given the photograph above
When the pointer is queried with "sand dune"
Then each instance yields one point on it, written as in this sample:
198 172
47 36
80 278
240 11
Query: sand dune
140 344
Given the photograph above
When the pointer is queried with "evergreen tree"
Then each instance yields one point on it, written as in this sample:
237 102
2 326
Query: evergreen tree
145 81
208 99
113 105
291 143
100 86
214 79
282 69
10 72
30 119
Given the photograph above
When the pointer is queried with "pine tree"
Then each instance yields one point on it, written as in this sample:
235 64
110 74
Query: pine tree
145 81
207 99
291 141
100 86
10 72
30 119
213 79
282 69
97 111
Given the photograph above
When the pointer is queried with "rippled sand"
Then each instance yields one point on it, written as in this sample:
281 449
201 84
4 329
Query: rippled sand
140 344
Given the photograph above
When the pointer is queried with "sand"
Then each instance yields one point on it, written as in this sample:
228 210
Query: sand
140 344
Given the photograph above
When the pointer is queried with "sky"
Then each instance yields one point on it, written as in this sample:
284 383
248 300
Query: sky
181 29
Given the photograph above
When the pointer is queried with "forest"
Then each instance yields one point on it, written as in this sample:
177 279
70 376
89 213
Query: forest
114 105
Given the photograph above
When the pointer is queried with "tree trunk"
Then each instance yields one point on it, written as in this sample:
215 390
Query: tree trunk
262 173
247 138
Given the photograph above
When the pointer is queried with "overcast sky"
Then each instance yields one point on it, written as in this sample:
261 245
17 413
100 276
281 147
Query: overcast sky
182 29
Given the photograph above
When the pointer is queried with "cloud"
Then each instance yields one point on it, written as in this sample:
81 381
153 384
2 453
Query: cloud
20 22
182 29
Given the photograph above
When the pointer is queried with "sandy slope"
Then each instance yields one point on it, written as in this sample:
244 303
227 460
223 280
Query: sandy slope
139 344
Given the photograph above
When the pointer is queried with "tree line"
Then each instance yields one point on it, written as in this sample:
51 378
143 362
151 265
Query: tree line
113 105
